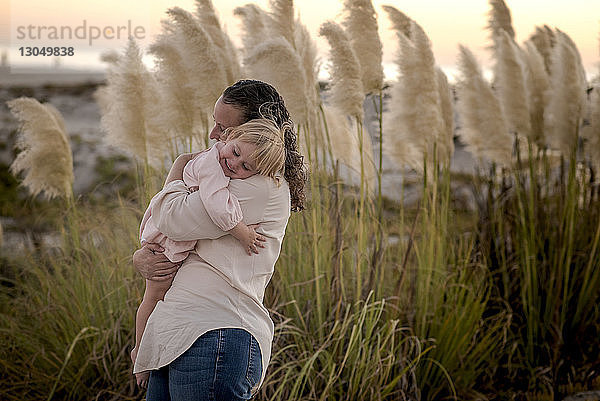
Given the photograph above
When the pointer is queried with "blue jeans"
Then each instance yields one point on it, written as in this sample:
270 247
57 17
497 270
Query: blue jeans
222 365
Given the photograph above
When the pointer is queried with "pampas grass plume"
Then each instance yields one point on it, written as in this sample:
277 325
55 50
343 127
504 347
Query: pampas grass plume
109 56
567 98
276 62
346 84
483 127
282 16
361 26
178 112
538 85
306 49
400 22
447 138
500 20
201 59
509 80
102 95
256 25
416 116
342 133
132 99
45 158
592 131
102 98
544 40
208 19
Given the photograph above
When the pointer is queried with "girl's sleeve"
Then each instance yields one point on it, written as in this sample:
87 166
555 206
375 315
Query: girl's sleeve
222 207
181 215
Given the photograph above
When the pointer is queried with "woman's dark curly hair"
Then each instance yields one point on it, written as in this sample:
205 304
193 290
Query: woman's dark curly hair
257 99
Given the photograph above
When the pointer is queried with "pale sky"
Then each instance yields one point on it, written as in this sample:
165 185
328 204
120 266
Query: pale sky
447 23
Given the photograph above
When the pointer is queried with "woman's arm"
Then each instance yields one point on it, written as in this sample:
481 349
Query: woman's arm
181 215
152 264
176 172
149 260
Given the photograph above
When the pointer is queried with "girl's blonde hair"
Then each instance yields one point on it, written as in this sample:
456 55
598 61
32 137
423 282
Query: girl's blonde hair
256 99
269 156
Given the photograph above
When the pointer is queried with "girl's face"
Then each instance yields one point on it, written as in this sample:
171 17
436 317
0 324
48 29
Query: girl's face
225 116
235 161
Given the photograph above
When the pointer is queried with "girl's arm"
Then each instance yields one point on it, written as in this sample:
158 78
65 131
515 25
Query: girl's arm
181 215
248 237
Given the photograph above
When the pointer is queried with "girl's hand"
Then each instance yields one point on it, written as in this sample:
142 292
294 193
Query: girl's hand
253 240
248 237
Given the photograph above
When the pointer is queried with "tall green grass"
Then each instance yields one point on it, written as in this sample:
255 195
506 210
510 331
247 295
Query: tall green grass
448 293
438 303
540 234
67 321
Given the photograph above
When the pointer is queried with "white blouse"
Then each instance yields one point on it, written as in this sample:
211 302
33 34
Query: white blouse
218 286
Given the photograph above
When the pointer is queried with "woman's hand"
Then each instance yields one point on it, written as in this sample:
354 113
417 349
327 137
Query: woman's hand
153 264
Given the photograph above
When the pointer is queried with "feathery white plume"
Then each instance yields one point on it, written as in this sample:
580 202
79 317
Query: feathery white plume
346 84
45 157
509 80
416 116
276 62
361 27
544 40
567 97
447 111
282 15
132 99
500 20
592 131
109 56
179 114
538 85
306 49
256 25
483 127
400 22
101 94
200 59
343 133
210 22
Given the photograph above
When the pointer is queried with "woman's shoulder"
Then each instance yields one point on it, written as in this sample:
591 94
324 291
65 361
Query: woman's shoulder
261 183
259 186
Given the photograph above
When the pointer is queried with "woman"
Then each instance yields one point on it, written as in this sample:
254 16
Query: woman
211 337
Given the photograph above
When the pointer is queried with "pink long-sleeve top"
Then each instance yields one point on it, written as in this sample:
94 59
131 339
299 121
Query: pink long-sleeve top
205 172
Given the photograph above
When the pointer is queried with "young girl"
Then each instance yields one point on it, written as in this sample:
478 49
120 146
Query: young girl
256 147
